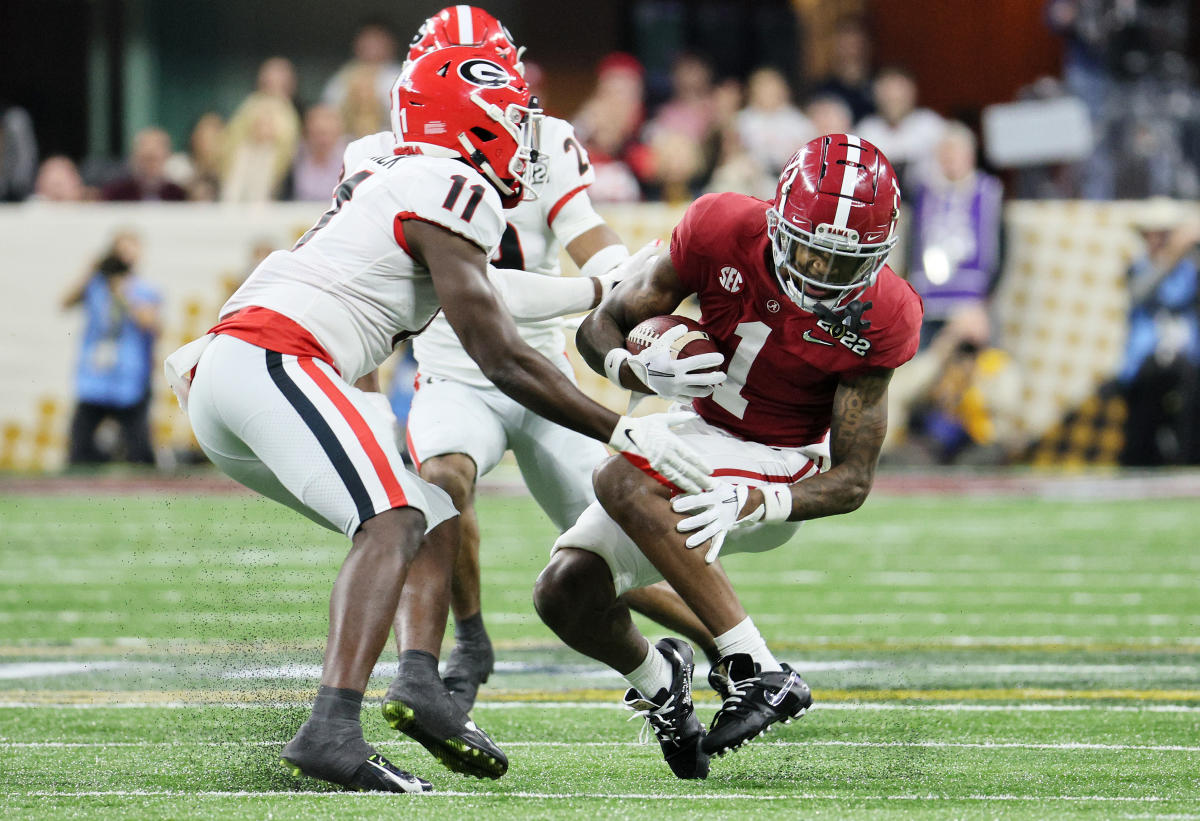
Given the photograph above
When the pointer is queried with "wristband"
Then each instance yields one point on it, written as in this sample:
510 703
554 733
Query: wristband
612 365
604 260
777 502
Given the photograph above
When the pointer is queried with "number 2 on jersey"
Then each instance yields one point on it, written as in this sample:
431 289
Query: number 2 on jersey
751 338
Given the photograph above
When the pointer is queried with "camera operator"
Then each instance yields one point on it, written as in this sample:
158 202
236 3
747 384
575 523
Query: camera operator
116 354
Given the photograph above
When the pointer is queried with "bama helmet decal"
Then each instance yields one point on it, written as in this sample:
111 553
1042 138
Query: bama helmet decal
484 73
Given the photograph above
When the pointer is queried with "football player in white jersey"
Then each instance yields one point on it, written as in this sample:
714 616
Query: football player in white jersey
460 424
270 391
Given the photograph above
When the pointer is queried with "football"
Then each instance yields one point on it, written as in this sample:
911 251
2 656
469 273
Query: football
694 342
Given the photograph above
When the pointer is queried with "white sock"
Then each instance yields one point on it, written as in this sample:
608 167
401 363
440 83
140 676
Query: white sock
745 638
652 675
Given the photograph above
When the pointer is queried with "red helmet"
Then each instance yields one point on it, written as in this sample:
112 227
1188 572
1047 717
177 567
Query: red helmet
833 221
467 26
459 102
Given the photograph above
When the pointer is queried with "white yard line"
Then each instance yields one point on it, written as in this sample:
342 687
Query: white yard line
606 796
949 707
982 745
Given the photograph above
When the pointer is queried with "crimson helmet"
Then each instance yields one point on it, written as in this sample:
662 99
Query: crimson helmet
467 26
833 221
460 102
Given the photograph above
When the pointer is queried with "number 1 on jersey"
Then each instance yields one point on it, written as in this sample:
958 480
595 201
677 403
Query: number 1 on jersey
751 338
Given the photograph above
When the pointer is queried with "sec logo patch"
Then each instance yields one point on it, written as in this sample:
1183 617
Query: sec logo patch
731 279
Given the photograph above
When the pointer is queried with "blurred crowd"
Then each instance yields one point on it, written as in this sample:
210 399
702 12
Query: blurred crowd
1126 62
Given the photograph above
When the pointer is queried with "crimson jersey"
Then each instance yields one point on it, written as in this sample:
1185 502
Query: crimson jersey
784 364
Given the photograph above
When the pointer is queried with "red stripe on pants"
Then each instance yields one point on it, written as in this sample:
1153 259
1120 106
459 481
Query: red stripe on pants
362 431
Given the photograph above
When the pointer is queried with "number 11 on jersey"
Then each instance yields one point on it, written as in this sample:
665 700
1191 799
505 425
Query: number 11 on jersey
751 338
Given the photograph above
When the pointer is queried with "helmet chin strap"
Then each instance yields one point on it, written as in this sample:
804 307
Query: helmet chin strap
850 320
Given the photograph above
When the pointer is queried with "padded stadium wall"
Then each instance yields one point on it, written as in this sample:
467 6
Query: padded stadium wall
1059 310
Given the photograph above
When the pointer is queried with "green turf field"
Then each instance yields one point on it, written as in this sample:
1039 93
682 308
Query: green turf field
971 658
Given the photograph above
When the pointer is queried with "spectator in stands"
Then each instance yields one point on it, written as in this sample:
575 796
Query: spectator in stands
955 229
318 165
733 167
608 125
361 112
689 111
116 357
58 180
829 114
1160 374
770 126
198 170
146 180
958 401
18 153
373 65
850 76
262 136
900 129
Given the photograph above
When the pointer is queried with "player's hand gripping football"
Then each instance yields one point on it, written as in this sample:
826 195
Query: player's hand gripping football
651 438
676 379
717 512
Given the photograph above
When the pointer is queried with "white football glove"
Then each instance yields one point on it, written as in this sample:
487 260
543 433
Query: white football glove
635 263
670 378
651 438
717 513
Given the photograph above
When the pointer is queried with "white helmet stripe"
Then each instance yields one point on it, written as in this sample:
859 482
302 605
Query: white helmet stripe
849 180
466 31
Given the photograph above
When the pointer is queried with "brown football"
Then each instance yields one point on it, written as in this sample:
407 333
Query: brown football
696 341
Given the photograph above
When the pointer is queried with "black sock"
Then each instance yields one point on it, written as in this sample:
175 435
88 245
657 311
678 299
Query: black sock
337 702
418 664
471 630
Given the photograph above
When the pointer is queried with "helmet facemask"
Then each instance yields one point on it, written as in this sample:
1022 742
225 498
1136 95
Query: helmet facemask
828 267
523 124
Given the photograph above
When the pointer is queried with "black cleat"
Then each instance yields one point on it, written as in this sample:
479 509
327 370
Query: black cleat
672 717
333 750
468 667
753 702
425 711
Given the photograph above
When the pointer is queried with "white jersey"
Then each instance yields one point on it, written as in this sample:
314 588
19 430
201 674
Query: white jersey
529 243
349 281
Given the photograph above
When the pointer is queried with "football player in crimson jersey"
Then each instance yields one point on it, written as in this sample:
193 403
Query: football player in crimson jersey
270 391
812 323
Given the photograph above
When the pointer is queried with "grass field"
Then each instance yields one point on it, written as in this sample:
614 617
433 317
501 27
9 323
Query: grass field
971 658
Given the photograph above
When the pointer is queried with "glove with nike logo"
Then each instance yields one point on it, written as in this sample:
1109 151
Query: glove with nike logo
651 439
657 368
717 512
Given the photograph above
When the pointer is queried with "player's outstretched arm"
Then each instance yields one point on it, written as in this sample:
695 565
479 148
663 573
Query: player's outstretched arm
490 337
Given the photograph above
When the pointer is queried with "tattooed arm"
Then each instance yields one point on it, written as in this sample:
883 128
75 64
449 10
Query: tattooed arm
855 437
653 291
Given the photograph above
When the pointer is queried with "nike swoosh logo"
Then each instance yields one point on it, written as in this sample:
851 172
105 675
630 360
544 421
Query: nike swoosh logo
406 784
774 699
808 337
629 436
